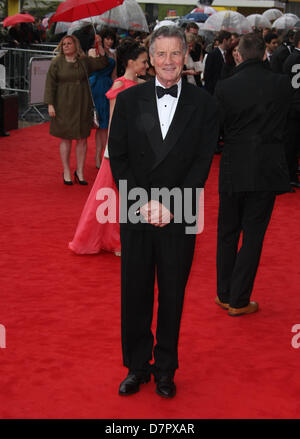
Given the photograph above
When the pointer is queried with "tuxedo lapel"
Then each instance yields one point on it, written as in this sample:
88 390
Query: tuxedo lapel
183 113
149 117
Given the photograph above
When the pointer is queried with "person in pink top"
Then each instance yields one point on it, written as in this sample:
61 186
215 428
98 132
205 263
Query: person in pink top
92 235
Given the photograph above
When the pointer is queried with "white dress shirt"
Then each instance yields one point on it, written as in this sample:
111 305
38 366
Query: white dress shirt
269 55
223 53
166 107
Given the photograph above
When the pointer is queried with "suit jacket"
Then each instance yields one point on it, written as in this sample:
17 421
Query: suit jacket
279 56
291 60
267 63
227 70
254 104
212 70
139 154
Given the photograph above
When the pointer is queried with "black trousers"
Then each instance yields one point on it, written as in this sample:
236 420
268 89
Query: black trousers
2 130
292 148
248 213
145 254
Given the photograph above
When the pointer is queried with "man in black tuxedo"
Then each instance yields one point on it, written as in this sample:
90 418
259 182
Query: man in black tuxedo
293 130
282 52
254 104
271 42
162 135
215 60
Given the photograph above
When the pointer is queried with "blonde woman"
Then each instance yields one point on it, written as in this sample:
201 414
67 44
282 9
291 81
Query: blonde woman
69 100
191 71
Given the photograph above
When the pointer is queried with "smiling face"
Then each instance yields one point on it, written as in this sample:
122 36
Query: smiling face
140 65
193 30
168 60
108 42
236 55
272 45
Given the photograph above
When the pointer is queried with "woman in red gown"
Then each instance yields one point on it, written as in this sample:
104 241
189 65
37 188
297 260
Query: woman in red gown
94 233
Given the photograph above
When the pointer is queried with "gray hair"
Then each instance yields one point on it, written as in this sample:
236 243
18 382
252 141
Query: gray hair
168 32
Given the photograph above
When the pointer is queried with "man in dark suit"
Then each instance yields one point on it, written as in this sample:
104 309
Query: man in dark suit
293 130
271 42
162 137
282 52
254 104
215 60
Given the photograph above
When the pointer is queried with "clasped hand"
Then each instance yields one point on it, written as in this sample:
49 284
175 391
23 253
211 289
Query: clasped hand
156 213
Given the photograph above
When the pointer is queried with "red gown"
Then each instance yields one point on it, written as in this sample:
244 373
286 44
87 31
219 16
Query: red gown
92 236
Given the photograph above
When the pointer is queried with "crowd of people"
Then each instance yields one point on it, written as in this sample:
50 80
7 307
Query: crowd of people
24 34
167 103
205 64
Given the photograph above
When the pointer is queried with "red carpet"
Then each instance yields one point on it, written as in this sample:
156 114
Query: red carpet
62 312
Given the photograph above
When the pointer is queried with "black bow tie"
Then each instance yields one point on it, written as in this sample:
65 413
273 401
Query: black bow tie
167 91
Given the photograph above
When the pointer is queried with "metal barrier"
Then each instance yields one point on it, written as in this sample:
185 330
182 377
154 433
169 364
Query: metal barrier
17 64
44 46
38 70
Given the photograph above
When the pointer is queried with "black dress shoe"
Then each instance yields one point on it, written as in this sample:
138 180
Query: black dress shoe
131 384
165 386
4 134
295 184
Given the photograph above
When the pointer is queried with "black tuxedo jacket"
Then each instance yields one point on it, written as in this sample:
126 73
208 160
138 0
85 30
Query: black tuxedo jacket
279 56
213 68
254 104
267 63
293 58
139 154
